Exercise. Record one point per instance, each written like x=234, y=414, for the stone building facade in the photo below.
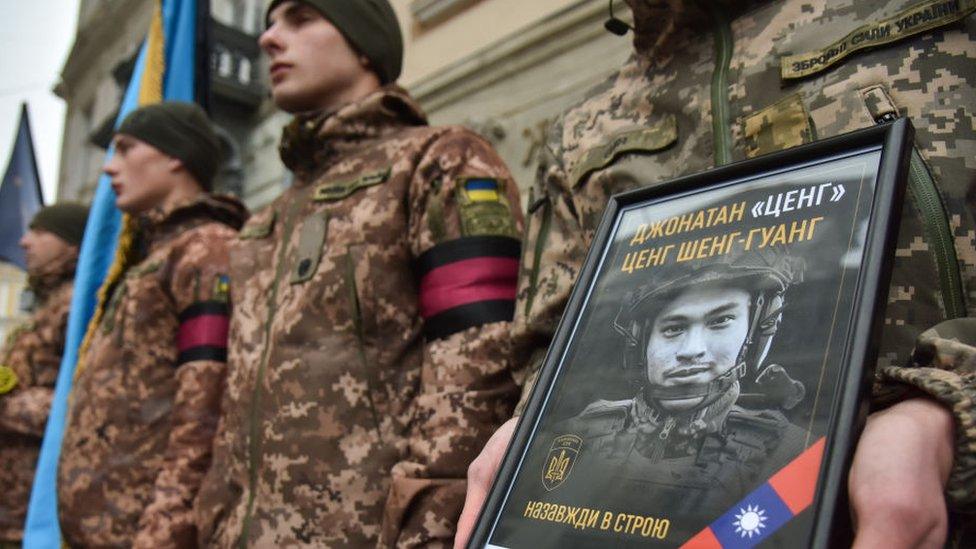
x=100, y=65
x=502, y=67
x=12, y=283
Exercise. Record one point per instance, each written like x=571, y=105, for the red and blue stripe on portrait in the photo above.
x=766, y=509
x=468, y=282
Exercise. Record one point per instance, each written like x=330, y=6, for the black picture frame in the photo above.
x=847, y=410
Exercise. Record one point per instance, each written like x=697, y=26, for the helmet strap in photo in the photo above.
x=767, y=309
x=709, y=392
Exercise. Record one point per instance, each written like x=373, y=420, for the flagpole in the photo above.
x=202, y=92
x=25, y=114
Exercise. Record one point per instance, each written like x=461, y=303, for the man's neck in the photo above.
x=182, y=194
x=355, y=92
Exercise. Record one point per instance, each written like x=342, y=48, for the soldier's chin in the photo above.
x=33, y=267
x=122, y=203
x=292, y=99
x=131, y=205
x=681, y=405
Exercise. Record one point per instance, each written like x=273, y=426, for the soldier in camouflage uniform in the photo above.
x=147, y=388
x=373, y=300
x=714, y=82
x=691, y=336
x=31, y=356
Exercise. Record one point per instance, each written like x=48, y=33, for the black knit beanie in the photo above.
x=180, y=130
x=370, y=26
x=66, y=220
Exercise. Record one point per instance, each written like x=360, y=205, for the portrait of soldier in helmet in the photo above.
x=693, y=337
x=704, y=367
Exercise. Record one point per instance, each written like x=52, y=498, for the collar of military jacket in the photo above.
x=708, y=420
x=312, y=141
x=159, y=225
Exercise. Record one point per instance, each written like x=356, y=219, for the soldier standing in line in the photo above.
x=370, y=338
x=712, y=82
x=31, y=357
x=145, y=400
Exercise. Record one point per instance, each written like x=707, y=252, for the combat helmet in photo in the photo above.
x=765, y=274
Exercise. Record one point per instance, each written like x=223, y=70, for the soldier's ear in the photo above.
x=174, y=164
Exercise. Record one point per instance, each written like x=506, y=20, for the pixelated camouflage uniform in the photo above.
x=370, y=336
x=33, y=351
x=654, y=120
x=144, y=406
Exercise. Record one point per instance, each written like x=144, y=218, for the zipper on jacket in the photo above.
x=357, y=317
x=540, y=244
x=721, y=126
x=935, y=222
x=254, y=439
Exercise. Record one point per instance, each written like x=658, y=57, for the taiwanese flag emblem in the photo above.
x=467, y=282
x=753, y=519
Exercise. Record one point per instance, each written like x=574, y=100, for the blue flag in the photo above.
x=179, y=22
x=20, y=193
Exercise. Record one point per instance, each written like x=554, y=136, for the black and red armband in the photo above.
x=203, y=332
x=468, y=282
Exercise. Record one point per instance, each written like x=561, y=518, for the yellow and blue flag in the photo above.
x=482, y=190
x=167, y=67
x=20, y=193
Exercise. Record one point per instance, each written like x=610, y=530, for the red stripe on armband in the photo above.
x=203, y=331
x=468, y=281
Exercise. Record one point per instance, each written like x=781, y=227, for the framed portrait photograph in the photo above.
x=711, y=373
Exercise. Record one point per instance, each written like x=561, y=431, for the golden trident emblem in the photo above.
x=557, y=467
x=559, y=463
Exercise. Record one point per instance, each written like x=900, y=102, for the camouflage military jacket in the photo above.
x=33, y=353
x=370, y=336
x=769, y=75
x=145, y=400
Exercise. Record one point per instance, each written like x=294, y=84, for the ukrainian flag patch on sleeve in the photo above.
x=484, y=209
x=221, y=289
x=482, y=190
